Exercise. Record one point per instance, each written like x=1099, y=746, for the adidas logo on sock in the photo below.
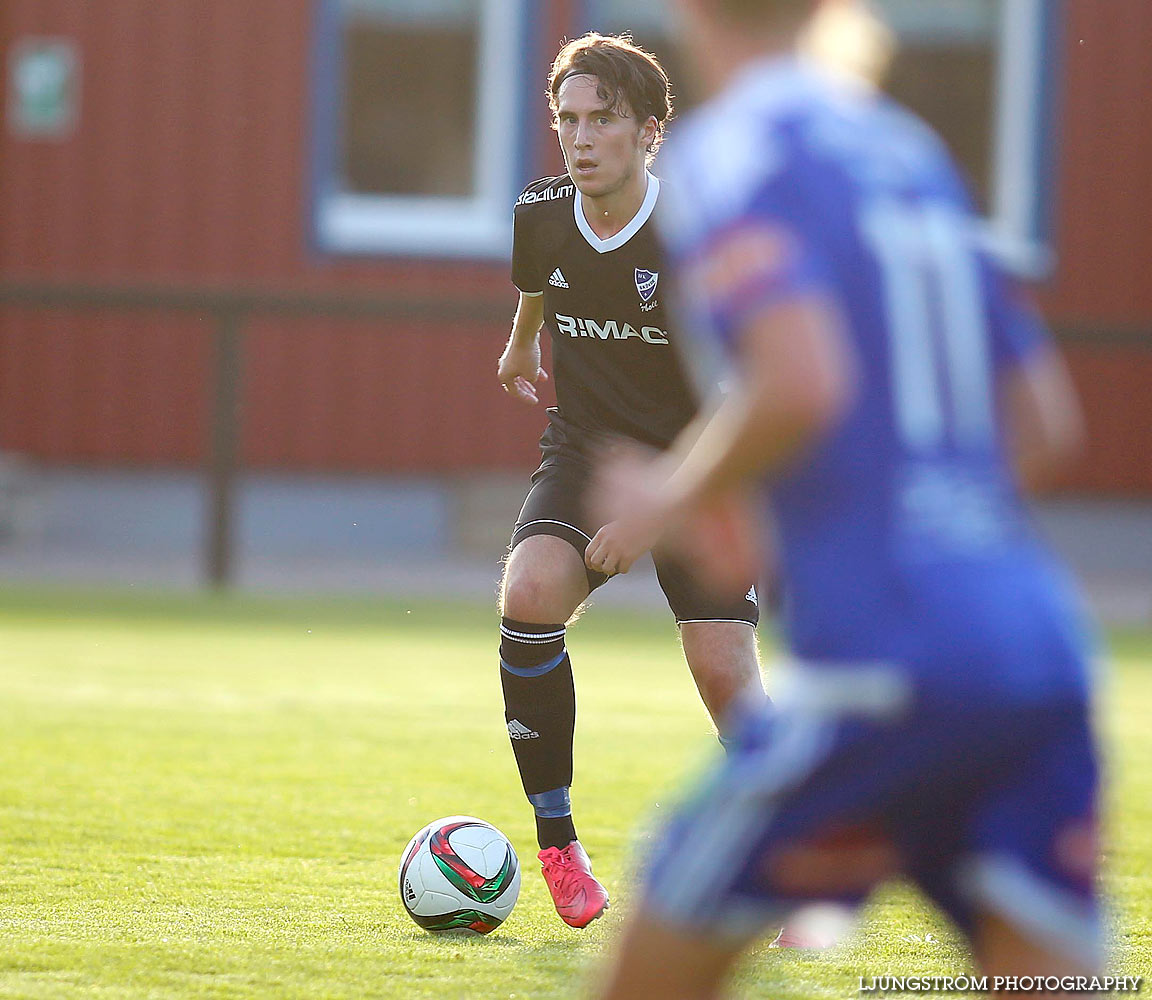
x=518, y=731
x=557, y=279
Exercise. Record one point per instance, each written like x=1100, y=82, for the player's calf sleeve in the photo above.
x=540, y=709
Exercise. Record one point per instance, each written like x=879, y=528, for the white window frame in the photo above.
x=1024, y=144
x=477, y=225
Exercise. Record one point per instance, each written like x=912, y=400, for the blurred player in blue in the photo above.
x=892, y=392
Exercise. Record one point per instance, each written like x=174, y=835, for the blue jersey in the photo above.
x=902, y=537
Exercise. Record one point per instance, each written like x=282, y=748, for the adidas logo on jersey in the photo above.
x=557, y=279
x=518, y=731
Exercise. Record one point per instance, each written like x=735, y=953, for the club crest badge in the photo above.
x=646, y=283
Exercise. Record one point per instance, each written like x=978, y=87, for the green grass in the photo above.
x=207, y=798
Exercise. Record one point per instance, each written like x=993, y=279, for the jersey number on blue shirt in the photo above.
x=937, y=327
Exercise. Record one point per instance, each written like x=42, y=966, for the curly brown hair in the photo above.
x=630, y=79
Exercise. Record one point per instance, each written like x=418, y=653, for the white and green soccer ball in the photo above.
x=459, y=874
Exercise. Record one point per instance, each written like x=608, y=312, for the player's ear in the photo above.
x=648, y=131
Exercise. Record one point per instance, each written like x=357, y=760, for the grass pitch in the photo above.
x=208, y=797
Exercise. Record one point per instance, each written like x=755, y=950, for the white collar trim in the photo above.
x=630, y=230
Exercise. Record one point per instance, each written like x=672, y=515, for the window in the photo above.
x=981, y=71
x=417, y=125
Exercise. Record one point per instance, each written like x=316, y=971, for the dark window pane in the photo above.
x=410, y=101
x=945, y=71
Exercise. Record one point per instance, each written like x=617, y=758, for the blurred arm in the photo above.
x=795, y=380
x=1045, y=424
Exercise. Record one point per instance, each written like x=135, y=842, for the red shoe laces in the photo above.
x=563, y=870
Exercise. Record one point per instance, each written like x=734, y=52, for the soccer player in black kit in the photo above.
x=587, y=264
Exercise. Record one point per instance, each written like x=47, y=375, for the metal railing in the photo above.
x=231, y=308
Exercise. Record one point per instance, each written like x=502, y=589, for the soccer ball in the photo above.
x=459, y=873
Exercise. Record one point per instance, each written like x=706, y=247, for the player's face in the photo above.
x=604, y=148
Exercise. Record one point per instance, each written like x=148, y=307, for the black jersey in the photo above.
x=614, y=360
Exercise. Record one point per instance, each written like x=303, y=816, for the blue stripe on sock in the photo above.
x=552, y=805
x=535, y=671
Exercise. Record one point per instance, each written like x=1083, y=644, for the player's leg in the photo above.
x=1022, y=882
x=1003, y=952
x=544, y=583
x=1033, y=875
x=718, y=633
x=724, y=662
x=752, y=843
x=654, y=959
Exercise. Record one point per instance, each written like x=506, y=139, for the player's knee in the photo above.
x=544, y=581
x=531, y=594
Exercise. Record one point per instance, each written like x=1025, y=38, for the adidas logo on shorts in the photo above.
x=751, y=596
x=557, y=279
x=518, y=731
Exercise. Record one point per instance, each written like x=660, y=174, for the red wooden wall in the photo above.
x=1103, y=281
x=189, y=166
x=1104, y=217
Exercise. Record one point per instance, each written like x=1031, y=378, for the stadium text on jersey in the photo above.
x=548, y=194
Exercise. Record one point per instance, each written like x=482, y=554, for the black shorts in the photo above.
x=555, y=506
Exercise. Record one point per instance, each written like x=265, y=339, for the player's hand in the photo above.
x=519, y=370
x=721, y=541
x=619, y=544
x=626, y=495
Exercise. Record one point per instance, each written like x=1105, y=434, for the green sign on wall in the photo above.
x=43, y=87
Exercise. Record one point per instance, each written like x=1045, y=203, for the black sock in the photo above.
x=558, y=832
x=540, y=710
